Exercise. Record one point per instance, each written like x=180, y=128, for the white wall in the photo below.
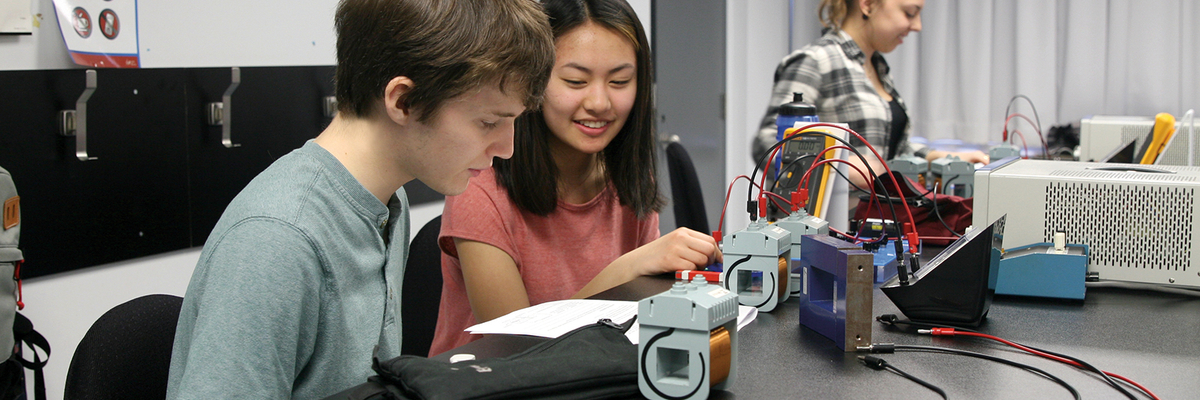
x=43, y=49
x=642, y=9
x=212, y=35
x=757, y=39
x=63, y=306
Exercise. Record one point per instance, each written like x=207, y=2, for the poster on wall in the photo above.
x=100, y=33
x=15, y=17
x=197, y=34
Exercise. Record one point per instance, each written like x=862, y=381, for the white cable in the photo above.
x=1144, y=286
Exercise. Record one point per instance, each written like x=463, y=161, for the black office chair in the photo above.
x=686, y=198
x=126, y=354
x=422, y=292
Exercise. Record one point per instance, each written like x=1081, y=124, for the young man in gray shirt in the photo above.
x=298, y=284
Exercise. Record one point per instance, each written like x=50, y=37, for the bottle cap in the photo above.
x=797, y=107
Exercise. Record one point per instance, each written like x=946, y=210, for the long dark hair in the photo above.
x=530, y=176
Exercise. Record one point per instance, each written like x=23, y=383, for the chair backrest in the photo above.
x=686, y=199
x=422, y=292
x=126, y=354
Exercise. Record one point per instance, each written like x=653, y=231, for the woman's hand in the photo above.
x=682, y=249
x=968, y=156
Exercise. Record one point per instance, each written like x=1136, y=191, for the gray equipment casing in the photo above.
x=800, y=224
x=757, y=249
x=674, y=348
x=955, y=175
x=1138, y=221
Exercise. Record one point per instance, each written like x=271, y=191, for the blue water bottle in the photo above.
x=790, y=113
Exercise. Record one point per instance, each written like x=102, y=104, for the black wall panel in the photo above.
x=275, y=110
x=162, y=177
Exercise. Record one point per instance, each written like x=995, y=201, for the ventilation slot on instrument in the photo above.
x=1124, y=225
x=1133, y=178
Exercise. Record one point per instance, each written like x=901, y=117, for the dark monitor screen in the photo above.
x=1123, y=154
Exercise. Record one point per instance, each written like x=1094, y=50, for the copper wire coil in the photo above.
x=784, y=276
x=721, y=355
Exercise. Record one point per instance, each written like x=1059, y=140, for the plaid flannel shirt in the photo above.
x=830, y=74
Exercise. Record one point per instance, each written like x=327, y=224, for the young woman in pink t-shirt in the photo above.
x=574, y=212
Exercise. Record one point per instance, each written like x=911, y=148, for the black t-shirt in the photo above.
x=896, y=131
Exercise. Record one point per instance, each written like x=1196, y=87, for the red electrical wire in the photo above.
x=857, y=240
x=913, y=236
x=1024, y=146
x=804, y=178
x=1036, y=128
x=868, y=179
x=721, y=224
x=776, y=198
x=763, y=184
x=952, y=332
x=724, y=207
x=807, y=174
x=811, y=168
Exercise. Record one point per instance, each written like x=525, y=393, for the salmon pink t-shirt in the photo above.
x=557, y=254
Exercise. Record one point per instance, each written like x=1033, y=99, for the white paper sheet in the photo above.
x=15, y=16
x=552, y=319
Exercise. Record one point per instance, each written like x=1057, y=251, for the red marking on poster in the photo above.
x=110, y=25
x=105, y=60
x=82, y=22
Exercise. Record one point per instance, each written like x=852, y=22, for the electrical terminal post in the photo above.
x=878, y=348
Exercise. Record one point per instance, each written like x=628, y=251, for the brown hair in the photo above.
x=531, y=177
x=447, y=48
x=833, y=12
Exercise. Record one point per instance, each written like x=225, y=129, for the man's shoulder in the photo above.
x=295, y=192
x=279, y=187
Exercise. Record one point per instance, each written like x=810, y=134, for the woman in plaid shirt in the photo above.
x=833, y=73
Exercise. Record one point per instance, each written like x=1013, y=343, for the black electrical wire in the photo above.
x=1031, y=106
x=938, y=214
x=1093, y=369
x=789, y=165
x=1045, y=147
x=878, y=205
x=762, y=161
x=890, y=319
x=1027, y=367
x=766, y=156
x=879, y=364
x=1066, y=152
x=856, y=187
x=775, y=200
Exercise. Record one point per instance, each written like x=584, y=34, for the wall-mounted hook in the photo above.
x=330, y=106
x=74, y=122
x=221, y=113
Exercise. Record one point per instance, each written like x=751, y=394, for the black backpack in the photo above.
x=15, y=329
